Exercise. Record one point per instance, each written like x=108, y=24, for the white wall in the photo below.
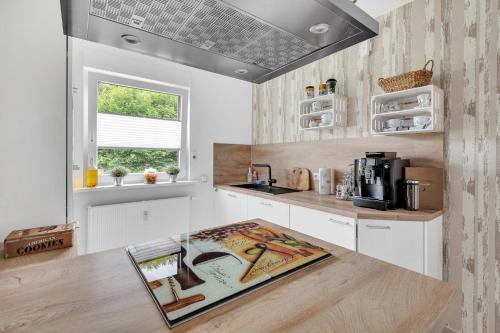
x=376, y=8
x=32, y=115
x=220, y=111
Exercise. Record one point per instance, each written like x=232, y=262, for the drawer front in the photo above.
x=335, y=229
x=269, y=210
x=397, y=242
x=230, y=207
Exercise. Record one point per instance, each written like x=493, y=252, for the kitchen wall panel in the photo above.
x=462, y=36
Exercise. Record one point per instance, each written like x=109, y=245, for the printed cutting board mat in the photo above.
x=193, y=273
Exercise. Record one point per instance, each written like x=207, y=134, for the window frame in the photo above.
x=93, y=80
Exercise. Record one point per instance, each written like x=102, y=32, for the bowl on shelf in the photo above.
x=394, y=123
x=421, y=120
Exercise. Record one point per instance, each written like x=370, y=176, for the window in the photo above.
x=136, y=124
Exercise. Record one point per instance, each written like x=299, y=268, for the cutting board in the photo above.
x=300, y=179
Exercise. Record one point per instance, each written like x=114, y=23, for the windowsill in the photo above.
x=137, y=186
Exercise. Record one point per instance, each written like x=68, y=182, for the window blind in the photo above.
x=115, y=131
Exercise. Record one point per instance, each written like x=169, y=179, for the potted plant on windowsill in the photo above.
x=118, y=173
x=172, y=171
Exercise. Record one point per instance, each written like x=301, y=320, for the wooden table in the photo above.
x=102, y=292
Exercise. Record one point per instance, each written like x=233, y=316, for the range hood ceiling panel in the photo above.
x=223, y=36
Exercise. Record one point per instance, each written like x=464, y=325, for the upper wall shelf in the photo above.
x=402, y=107
x=326, y=111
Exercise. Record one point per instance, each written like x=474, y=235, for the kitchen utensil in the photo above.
x=412, y=194
x=316, y=106
x=300, y=179
x=424, y=100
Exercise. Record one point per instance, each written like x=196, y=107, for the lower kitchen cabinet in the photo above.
x=269, y=210
x=230, y=207
x=410, y=244
x=335, y=229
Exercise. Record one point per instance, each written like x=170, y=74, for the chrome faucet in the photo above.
x=270, y=181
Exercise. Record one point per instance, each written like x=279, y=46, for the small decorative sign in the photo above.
x=36, y=240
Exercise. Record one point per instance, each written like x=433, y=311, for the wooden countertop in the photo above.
x=329, y=204
x=102, y=292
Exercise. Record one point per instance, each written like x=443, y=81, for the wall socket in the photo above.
x=316, y=176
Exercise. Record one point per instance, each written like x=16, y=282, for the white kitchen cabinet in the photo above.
x=230, y=207
x=410, y=244
x=397, y=242
x=269, y=210
x=335, y=229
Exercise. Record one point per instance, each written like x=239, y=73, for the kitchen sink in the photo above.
x=266, y=188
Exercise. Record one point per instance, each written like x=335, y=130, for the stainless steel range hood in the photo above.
x=252, y=40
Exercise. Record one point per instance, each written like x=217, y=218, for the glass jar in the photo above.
x=310, y=92
x=322, y=89
x=331, y=84
x=150, y=176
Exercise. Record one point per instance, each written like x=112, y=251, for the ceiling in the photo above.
x=376, y=8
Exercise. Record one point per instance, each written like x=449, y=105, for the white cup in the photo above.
x=326, y=118
x=424, y=100
x=395, y=123
x=421, y=120
x=316, y=106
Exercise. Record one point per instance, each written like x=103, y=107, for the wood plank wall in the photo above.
x=462, y=36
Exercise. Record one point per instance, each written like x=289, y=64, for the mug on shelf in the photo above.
x=326, y=119
x=424, y=100
x=395, y=123
x=316, y=106
x=421, y=120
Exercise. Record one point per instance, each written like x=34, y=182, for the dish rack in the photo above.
x=332, y=104
x=407, y=107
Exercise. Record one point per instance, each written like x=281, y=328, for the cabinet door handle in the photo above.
x=380, y=227
x=266, y=204
x=338, y=222
x=231, y=195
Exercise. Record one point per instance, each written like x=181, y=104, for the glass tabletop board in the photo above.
x=192, y=273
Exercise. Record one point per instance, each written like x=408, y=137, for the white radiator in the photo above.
x=119, y=225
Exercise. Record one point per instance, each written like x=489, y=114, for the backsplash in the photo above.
x=423, y=151
x=462, y=37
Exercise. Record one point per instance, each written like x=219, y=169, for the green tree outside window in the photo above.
x=134, y=102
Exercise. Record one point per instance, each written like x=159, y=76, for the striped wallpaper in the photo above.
x=463, y=38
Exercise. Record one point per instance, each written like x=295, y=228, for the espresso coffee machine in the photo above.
x=379, y=181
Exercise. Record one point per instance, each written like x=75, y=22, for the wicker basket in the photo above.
x=409, y=80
